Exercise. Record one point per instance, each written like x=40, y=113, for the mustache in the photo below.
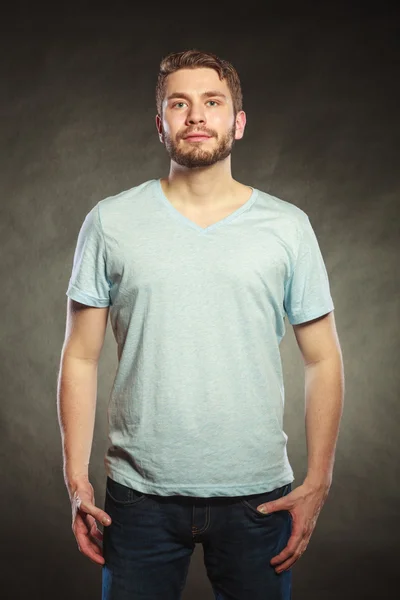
x=197, y=131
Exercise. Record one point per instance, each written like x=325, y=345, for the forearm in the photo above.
x=76, y=403
x=324, y=399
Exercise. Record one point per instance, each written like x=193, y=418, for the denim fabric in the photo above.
x=148, y=546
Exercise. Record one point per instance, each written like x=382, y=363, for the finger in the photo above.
x=83, y=522
x=88, y=545
x=95, y=532
x=292, y=545
x=97, y=513
x=81, y=531
x=91, y=550
x=87, y=518
x=288, y=564
x=96, y=535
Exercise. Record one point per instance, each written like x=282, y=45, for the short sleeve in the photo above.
x=307, y=291
x=88, y=283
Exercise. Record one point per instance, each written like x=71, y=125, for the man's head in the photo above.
x=197, y=92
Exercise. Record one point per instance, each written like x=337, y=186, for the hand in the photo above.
x=304, y=504
x=84, y=515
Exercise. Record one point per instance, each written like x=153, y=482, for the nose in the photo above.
x=195, y=115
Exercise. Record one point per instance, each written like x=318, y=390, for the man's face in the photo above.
x=196, y=101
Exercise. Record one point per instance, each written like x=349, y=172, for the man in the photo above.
x=198, y=272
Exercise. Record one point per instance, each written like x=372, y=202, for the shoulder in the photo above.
x=126, y=196
x=119, y=206
x=288, y=220
x=283, y=207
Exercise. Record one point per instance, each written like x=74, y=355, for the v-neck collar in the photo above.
x=185, y=220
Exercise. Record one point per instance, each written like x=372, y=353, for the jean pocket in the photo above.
x=123, y=495
x=253, y=500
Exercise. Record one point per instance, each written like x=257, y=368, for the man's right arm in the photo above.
x=77, y=388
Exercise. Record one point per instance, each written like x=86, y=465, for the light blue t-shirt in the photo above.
x=197, y=403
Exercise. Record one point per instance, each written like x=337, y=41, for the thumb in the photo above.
x=273, y=506
x=85, y=505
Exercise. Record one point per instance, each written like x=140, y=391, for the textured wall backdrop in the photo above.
x=321, y=94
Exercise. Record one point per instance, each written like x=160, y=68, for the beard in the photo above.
x=197, y=156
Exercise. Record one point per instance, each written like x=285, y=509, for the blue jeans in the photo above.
x=148, y=546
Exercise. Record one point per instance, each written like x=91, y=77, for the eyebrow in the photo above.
x=209, y=94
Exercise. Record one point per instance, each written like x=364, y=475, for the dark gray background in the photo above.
x=321, y=94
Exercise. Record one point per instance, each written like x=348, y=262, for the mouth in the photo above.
x=197, y=138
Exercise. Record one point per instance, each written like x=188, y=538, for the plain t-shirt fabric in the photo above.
x=197, y=403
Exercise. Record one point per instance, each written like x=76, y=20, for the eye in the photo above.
x=215, y=103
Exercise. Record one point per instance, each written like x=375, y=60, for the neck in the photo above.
x=203, y=187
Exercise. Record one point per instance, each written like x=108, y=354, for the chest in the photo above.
x=186, y=266
x=206, y=218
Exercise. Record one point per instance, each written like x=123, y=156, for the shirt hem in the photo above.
x=192, y=489
x=311, y=315
x=84, y=298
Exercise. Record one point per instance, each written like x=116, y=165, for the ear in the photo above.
x=240, y=124
x=159, y=128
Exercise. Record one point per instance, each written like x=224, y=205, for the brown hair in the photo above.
x=195, y=59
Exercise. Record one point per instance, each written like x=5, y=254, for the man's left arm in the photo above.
x=324, y=395
x=324, y=399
